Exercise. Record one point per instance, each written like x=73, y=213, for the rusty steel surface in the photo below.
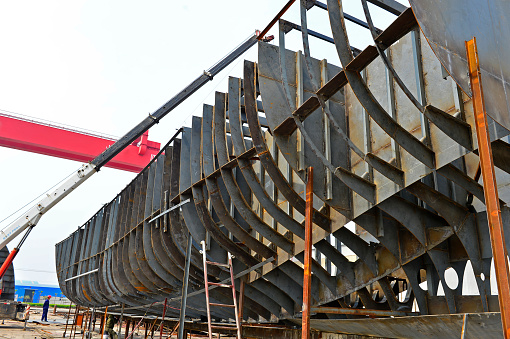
x=397, y=211
x=485, y=325
x=490, y=187
x=307, y=276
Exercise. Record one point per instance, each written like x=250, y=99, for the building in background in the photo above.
x=33, y=292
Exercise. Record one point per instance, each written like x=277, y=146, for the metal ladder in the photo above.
x=211, y=327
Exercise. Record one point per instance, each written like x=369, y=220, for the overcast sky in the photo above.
x=105, y=65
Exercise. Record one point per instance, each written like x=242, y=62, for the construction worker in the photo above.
x=109, y=327
x=45, y=308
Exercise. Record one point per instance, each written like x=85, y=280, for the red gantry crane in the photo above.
x=45, y=138
x=28, y=134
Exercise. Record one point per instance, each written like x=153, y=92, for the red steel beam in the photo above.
x=73, y=145
x=275, y=19
x=307, y=279
x=490, y=188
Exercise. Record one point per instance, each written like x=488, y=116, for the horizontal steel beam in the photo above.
x=82, y=275
x=362, y=311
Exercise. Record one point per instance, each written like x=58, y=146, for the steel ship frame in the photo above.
x=391, y=138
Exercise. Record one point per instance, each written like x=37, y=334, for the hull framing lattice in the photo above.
x=392, y=142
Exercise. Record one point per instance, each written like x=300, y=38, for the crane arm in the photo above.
x=32, y=216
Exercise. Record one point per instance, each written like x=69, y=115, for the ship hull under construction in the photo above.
x=392, y=141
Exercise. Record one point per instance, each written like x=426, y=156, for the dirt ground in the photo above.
x=56, y=326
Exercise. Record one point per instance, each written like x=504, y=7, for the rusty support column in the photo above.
x=464, y=323
x=490, y=188
x=120, y=320
x=91, y=322
x=185, y=281
x=101, y=324
x=162, y=320
x=75, y=322
x=146, y=329
x=67, y=321
x=128, y=322
x=241, y=300
x=103, y=321
x=94, y=320
x=307, y=278
x=86, y=317
x=87, y=329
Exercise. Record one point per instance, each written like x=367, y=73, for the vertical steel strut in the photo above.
x=185, y=281
x=163, y=319
x=307, y=279
x=490, y=188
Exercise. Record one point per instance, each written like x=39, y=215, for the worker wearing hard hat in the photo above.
x=45, y=308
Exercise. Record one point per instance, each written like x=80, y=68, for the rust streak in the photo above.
x=490, y=188
x=307, y=279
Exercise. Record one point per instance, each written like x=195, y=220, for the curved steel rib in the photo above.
x=228, y=180
x=411, y=225
x=405, y=139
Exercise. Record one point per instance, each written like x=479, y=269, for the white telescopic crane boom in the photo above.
x=32, y=216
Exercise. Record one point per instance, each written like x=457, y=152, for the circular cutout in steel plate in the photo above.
x=447, y=24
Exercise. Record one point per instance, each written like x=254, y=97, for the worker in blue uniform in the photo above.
x=45, y=308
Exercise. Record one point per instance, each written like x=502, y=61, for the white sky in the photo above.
x=103, y=66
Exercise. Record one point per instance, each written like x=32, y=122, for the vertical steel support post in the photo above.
x=206, y=283
x=93, y=319
x=67, y=321
x=464, y=324
x=101, y=323
x=104, y=322
x=73, y=327
x=238, y=336
x=128, y=322
x=490, y=187
x=185, y=280
x=120, y=320
x=300, y=99
x=162, y=319
x=94, y=323
x=241, y=301
x=307, y=278
x=85, y=316
x=327, y=132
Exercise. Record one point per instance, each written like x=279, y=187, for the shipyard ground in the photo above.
x=56, y=326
